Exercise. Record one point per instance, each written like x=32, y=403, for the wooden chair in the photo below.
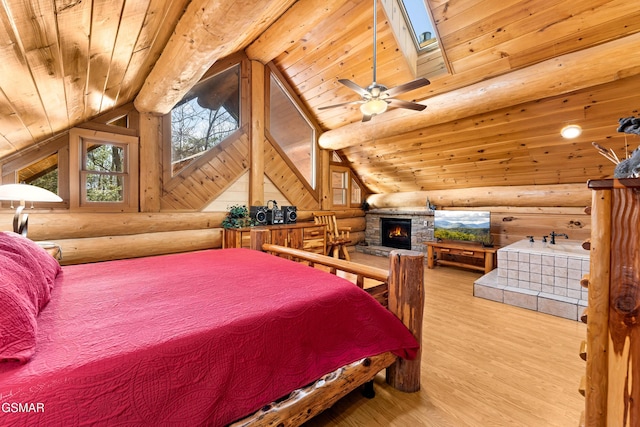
x=337, y=238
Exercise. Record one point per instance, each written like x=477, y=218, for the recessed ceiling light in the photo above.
x=571, y=131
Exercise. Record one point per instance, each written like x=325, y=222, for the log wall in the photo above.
x=516, y=211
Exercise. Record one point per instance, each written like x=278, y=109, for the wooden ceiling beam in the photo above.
x=208, y=30
x=556, y=76
x=301, y=18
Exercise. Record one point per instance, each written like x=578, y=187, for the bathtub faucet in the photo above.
x=554, y=235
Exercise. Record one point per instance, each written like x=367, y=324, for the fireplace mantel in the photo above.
x=421, y=229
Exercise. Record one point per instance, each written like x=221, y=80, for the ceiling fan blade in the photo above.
x=406, y=104
x=351, y=85
x=339, y=105
x=366, y=117
x=406, y=87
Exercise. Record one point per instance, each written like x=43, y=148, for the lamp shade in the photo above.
x=27, y=193
x=373, y=107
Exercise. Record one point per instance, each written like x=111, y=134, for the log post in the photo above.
x=406, y=301
x=259, y=236
x=598, y=319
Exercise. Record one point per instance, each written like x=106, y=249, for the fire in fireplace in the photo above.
x=396, y=233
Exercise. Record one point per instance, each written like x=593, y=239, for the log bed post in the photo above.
x=406, y=301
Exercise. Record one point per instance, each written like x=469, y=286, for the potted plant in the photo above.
x=237, y=217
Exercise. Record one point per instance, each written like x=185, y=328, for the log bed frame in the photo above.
x=400, y=290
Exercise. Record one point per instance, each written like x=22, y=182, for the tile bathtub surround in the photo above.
x=546, y=283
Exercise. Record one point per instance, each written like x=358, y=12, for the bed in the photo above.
x=201, y=338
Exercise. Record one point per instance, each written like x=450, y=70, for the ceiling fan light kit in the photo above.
x=376, y=98
x=373, y=107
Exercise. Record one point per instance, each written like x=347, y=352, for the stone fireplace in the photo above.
x=416, y=228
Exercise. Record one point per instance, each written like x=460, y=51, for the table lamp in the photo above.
x=25, y=193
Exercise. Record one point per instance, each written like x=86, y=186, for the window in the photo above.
x=292, y=131
x=43, y=173
x=346, y=189
x=339, y=186
x=356, y=193
x=104, y=173
x=208, y=114
x=418, y=19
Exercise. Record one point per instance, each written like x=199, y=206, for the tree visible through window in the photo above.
x=43, y=173
x=206, y=116
x=105, y=170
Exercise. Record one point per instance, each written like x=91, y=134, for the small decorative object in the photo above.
x=628, y=167
x=238, y=217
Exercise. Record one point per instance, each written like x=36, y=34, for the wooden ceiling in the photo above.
x=518, y=71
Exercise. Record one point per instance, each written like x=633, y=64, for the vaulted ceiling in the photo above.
x=511, y=75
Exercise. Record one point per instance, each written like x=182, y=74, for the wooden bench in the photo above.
x=466, y=255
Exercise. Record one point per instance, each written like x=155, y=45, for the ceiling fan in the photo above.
x=376, y=97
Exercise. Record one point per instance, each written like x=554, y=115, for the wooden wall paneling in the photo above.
x=215, y=170
x=270, y=43
x=39, y=45
x=283, y=176
x=133, y=16
x=159, y=23
x=507, y=227
x=21, y=93
x=106, y=16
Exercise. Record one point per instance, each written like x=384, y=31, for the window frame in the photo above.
x=271, y=71
x=78, y=141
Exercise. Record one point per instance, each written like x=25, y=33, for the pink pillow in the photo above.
x=27, y=275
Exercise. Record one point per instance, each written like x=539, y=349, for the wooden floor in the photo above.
x=483, y=364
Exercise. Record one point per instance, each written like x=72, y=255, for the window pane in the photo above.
x=292, y=132
x=339, y=196
x=206, y=116
x=43, y=173
x=104, y=188
x=339, y=187
x=104, y=157
x=356, y=193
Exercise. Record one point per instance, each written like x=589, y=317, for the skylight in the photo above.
x=417, y=17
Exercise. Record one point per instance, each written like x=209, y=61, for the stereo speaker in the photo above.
x=258, y=214
x=290, y=214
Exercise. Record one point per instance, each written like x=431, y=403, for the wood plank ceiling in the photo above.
x=519, y=70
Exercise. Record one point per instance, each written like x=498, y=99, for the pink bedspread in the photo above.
x=189, y=339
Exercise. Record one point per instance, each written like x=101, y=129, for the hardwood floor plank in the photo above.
x=484, y=364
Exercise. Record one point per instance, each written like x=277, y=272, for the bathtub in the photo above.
x=562, y=246
x=539, y=276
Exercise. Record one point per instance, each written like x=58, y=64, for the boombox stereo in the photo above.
x=275, y=216
x=290, y=214
x=258, y=214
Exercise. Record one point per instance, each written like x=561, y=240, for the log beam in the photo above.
x=566, y=195
x=55, y=226
x=79, y=251
x=577, y=70
x=208, y=30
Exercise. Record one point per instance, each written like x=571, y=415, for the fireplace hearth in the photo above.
x=396, y=233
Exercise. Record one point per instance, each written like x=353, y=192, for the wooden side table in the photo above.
x=475, y=257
